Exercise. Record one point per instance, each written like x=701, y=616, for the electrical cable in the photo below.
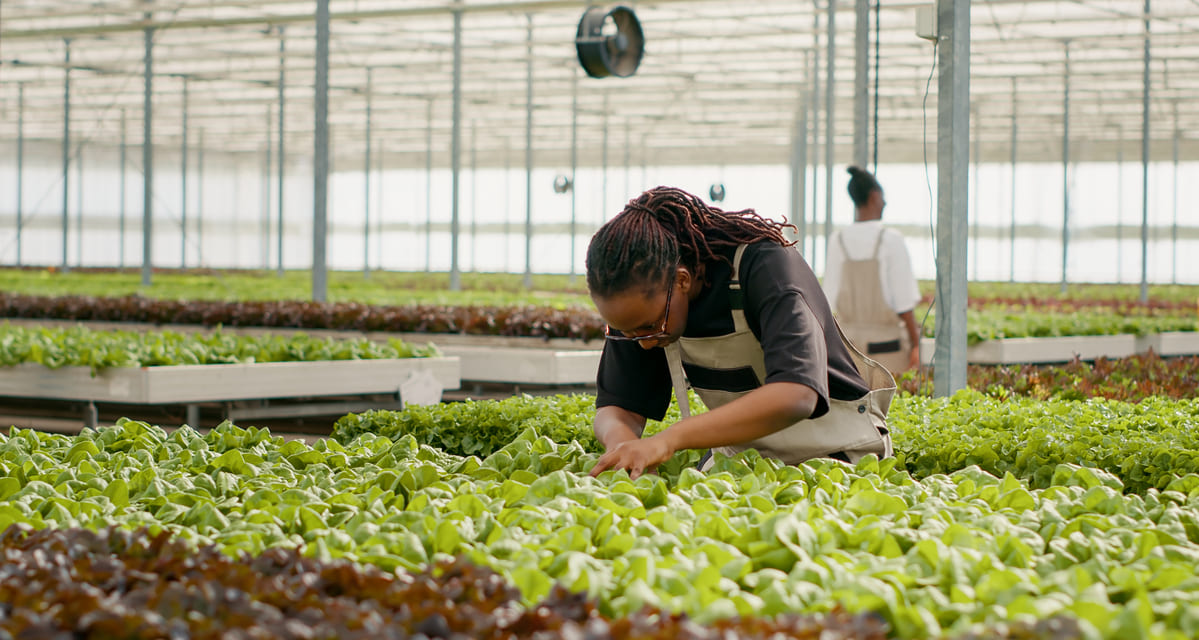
x=923, y=372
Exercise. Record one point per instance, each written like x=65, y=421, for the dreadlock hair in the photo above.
x=861, y=185
x=662, y=229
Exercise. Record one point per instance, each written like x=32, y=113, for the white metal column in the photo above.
x=953, y=159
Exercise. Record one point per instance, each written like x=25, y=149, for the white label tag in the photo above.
x=421, y=388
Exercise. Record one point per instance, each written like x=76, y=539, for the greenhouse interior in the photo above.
x=437, y=318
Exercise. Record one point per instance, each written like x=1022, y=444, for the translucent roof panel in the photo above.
x=722, y=82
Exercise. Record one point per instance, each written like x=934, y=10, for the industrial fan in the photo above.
x=610, y=42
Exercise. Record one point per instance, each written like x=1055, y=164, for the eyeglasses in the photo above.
x=657, y=335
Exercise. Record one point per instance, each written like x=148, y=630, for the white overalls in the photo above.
x=853, y=428
x=868, y=320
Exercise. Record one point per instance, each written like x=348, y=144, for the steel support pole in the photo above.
x=474, y=200
x=627, y=165
x=574, y=168
x=66, y=150
x=815, y=147
x=976, y=166
x=861, y=93
x=528, y=279
x=456, y=151
x=1012, y=196
x=604, y=166
x=123, y=150
x=1120, y=206
x=280, y=152
x=183, y=185
x=320, y=155
x=878, y=18
x=799, y=165
x=266, y=196
x=1174, y=226
x=366, y=186
x=1066, y=168
x=379, y=204
x=830, y=130
x=1145, y=164
x=21, y=163
x=953, y=153
x=200, y=198
x=148, y=159
x=429, y=189
x=79, y=208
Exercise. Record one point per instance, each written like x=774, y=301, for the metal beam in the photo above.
x=574, y=168
x=429, y=187
x=456, y=151
x=148, y=159
x=1145, y=163
x=320, y=155
x=280, y=152
x=122, y=207
x=366, y=185
x=528, y=279
x=1012, y=196
x=21, y=165
x=861, y=103
x=183, y=185
x=830, y=129
x=66, y=149
x=1065, y=166
x=953, y=149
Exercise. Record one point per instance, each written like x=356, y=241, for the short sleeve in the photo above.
x=777, y=283
x=633, y=379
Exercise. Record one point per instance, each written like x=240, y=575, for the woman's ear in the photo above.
x=685, y=279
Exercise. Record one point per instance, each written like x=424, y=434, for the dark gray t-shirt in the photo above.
x=786, y=310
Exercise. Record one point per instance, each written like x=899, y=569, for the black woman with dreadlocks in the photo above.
x=721, y=300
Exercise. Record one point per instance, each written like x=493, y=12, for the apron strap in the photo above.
x=736, y=295
x=674, y=361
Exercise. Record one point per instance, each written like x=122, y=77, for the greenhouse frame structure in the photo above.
x=1019, y=81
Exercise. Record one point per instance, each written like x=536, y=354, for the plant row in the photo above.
x=399, y=287
x=536, y=321
x=943, y=555
x=381, y=287
x=121, y=584
x=1148, y=445
x=1129, y=379
x=99, y=350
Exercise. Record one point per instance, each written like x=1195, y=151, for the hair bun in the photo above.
x=855, y=171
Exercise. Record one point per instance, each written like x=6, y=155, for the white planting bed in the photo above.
x=225, y=383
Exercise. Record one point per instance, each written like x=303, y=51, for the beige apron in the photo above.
x=853, y=428
x=869, y=322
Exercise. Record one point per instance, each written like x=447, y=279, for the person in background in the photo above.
x=722, y=300
x=869, y=280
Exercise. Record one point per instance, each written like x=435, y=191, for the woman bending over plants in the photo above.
x=721, y=300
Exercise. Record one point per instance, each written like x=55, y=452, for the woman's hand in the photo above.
x=635, y=456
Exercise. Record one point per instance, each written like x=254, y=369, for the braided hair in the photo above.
x=662, y=229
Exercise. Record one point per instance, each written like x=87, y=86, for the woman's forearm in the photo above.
x=759, y=413
x=614, y=425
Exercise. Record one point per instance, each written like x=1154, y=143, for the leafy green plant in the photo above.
x=99, y=350
x=1130, y=379
x=944, y=555
x=1148, y=445
x=115, y=583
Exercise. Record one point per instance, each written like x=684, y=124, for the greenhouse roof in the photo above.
x=721, y=82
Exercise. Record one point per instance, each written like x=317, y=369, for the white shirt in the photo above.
x=894, y=265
